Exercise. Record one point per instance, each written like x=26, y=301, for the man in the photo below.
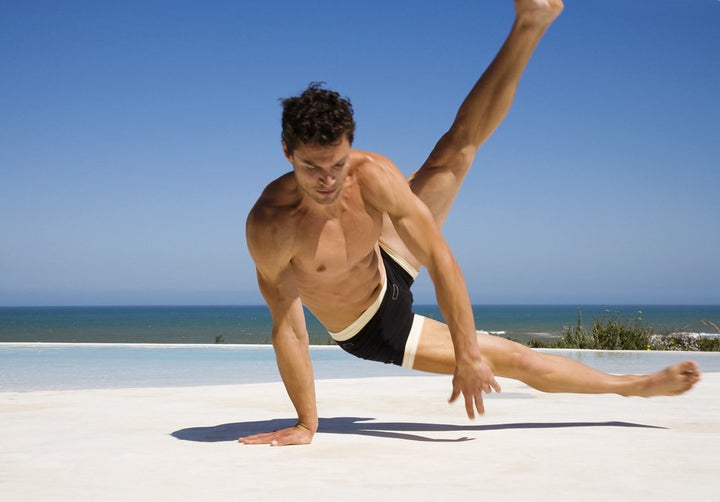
x=344, y=233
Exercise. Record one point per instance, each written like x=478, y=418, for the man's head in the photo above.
x=317, y=117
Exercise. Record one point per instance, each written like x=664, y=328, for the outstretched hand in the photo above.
x=472, y=379
x=299, y=434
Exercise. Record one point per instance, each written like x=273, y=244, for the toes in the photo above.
x=689, y=367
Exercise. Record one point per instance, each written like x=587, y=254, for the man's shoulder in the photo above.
x=363, y=159
x=274, y=206
x=372, y=169
x=376, y=174
x=277, y=195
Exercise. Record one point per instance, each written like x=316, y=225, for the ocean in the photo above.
x=252, y=324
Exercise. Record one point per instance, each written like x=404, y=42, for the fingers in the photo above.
x=284, y=437
x=470, y=405
x=455, y=394
x=472, y=401
x=264, y=438
x=479, y=404
x=469, y=400
x=491, y=385
x=471, y=384
x=496, y=385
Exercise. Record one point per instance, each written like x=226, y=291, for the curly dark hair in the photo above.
x=318, y=116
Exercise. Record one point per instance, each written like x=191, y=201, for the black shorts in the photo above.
x=384, y=337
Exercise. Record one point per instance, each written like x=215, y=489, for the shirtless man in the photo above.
x=344, y=233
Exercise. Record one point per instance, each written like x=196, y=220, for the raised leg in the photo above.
x=438, y=180
x=547, y=372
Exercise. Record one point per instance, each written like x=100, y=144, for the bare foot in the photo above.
x=671, y=381
x=538, y=11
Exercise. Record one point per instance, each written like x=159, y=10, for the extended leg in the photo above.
x=438, y=180
x=547, y=372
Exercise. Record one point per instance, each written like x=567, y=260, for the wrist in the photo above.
x=468, y=355
x=309, y=425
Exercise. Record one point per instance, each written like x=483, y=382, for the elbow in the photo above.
x=282, y=336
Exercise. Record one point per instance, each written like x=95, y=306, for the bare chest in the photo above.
x=332, y=247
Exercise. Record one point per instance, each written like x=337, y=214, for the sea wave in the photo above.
x=694, y=335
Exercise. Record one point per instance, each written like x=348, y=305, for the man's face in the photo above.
x=321, y=170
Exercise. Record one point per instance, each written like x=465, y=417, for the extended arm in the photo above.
x=386, y=189
x=289, y=338
x=472, y=376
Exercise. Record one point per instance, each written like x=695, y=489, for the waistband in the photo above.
x=401, y=261
x=359, y=323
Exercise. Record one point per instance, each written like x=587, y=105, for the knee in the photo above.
x=453, y=153
x=507, y=358
x=521, y=359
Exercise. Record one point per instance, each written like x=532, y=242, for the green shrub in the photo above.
x=535, y=343
x=608, y=333
x=709, y=344
x=576, y=337
x=615, y=334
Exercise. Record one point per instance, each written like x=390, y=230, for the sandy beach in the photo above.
x=379, y=437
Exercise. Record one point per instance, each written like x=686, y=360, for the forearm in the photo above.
x=293, y=360
x=455, y=306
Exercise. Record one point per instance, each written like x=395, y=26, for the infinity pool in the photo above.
x=27, y=367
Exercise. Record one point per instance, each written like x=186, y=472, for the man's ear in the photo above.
x=286, y=152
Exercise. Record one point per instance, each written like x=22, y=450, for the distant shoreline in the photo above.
x=252, y=324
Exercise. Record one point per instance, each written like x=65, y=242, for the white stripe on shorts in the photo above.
x=412, y=341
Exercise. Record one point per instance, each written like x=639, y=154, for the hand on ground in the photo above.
x=298, y=434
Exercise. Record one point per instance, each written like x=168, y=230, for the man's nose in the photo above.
x=327, y=180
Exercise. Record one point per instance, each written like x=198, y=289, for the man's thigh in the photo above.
x=436, y=354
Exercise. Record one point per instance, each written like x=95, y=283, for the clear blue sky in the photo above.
x=135, y=136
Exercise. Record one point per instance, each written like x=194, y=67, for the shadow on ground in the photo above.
x=412, y=431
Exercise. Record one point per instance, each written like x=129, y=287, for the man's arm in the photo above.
x=472, y=376
x=386, y=189
x=289, y=335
